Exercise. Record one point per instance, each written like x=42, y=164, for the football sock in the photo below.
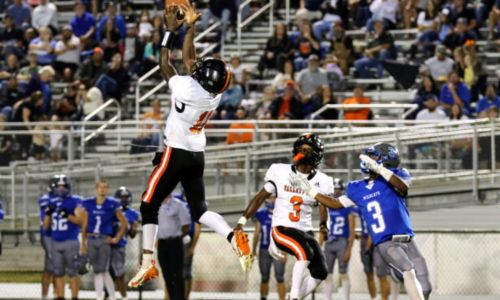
x=329, y=286
x=146, y=260
x=309, y=285
x=148, y=241
x=346, y=287
x=216, y=222
x=99, y=285
x=110, y=285
x=299, y=269
x=413, y=287
x=394, y=290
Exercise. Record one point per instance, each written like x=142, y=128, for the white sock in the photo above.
x=346, y=287
x=299, y=269
x=99, y=285
x=110, y=286
x=394, y=290
x=149, y=236
x=413, y=287
x=146, y=260
x=310, y=284
x=216, y=222
x=329, y=286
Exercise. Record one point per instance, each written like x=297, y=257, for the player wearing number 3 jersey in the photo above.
x=194, y=98
x=292, y=216
x=381, y=199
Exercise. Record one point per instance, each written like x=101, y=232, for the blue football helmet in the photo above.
x=124, y=195
x=382, y=153
x=60, y=185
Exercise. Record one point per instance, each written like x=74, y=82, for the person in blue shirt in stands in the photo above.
x=111, y=12
x=101, y=211
x=64, y=216
x=263, y=219
x=490, y=99
x=83, y=24
x=117, y=263
x=381, y=199
x=455, y=92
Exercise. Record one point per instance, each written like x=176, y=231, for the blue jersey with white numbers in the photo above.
x=383, y=209
x=265, y=217
x=132, y=216
x=101, y=216
x=62, y=229
x=339, y=223
x=43, y=203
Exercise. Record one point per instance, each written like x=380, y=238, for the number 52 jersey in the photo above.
x=293, y=208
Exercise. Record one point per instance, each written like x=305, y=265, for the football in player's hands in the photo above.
x=369, y=163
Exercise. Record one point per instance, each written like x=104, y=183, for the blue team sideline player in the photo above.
x=124, y=195
x=339, y=243
x=381, y=199
x=263, y=220
x=64, y=216
x=101, y=211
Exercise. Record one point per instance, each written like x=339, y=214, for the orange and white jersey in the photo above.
x=191, y=108
x=293, y=208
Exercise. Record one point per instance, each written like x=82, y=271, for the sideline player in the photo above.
x=64, y=216
x=338, y=244
x=262, y=235
x=118, y=251
x=381, y=199
x=194, y=99
x=292, y=215
x=101, y=210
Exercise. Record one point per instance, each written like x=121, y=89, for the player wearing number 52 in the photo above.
x=292, y=215
x=63, y=218
x=101, y=213
x=381, y=199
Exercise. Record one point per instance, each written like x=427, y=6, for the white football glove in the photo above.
x=375, y=167
x=302, y=183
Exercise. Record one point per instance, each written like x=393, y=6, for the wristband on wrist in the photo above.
x=385, y=173
x=168, y=40
x=322, y=224
x=242, y=221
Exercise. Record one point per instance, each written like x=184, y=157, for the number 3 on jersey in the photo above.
x=374, y=208
x=295, y=214
x=202, y=121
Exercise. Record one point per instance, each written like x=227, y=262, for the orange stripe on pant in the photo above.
x=289, y=243
x=157, y=174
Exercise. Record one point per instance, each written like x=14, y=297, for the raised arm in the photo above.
x=188, y=50
x=172, y=24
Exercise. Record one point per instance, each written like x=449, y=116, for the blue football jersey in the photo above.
x=101, y=216
x=62, y=229
x=339, y=223
x=265, y=217
x=382, y=208
x=132, y=216
x=43, y=203
x=364, y=228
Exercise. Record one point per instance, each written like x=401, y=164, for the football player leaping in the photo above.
x=194, y=99
x=381, y=201
x=292, y=215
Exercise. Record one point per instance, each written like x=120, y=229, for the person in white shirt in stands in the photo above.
x=432, y=111
x=45, y=15
x=67, y=51
x=385, y=10
x=440, y=65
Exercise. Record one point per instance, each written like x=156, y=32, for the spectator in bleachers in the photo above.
x=67, y=51
x=278, y=50
x=92, y=99
x=115, y=81
x=44, y=46
x=26, y=72
x=41, y=82
x=83, y=24
x=20, y=12
x=428, y=25
x=67, y=108
x=470, y=68
x=157, y=23
x=427, y=90
x=223, y=10
x=440, y=65
x=385, y=11
x=28, y=36
x=489, y=100
x=93, y=67
x=494, y=22
x=327, y=97
x=25, y=111
x=432, y=111
x=240, y=137
x=145, y=25
x=309, y=10
x=11, y=68
x=455, y=92
x=288, y=105
x=9, y=94
x=378, y=50
x=312, y=103
x=230, y=100
x=460, y=10
x=459, y=36
x=312, y=79
x=446, y=25
x=152, y=52
x=9, y=36
x=334, y=12
x=45, y=15
x=358, y=97
x=134, y=52
x=334, y=74
x=238, y=71
x=288, y=73
x=149, y=141
x=305, y=45
x=341, y=46
x=38, y=147
x=6, y=144
x=110, y=39
x=262, y=107
x=56, y=139
x=119, y=22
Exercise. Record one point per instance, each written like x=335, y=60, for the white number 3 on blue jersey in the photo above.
x=378, y=225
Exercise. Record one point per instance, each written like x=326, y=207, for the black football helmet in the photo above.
x=81, y=263
x=124, y=195
x=60, y=185
x=212, y=74
x=315, y=142
x=383, y=153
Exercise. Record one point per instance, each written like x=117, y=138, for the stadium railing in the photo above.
x=240, y=23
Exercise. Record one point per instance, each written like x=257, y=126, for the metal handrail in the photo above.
x=240, y=23
x=411, y=108
x=84, y=139
x=138, y=98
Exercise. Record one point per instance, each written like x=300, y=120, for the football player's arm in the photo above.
x=123, y=227
x=133, y=229
x=352, y=234
x=323, y=228
x=194, y=241
x=46, y=221
x=398, y=183
x=172, y=24
x=252, y=208
x=78, y=217
x=188, y=50
x=256, y=236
